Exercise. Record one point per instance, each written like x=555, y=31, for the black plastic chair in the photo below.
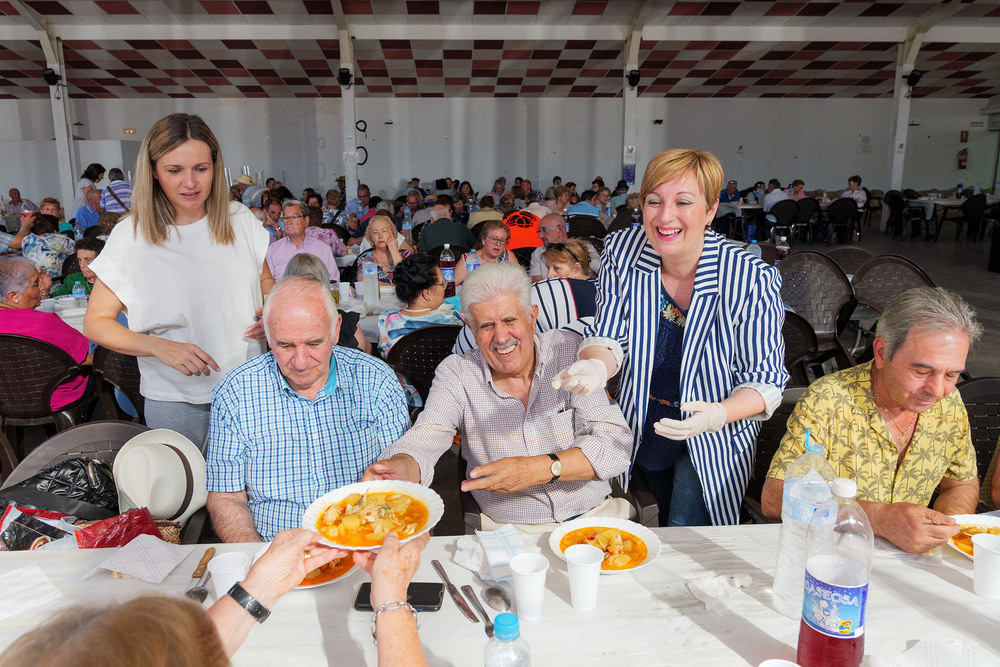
x=418, y=353
x=785, y=213
x=800, y=346
x=114, y=369
x=8, y=459
x=523, y=256
x=771, y=433
x=808, y=217
x=840, y=217
x=70, y=265
x=586, y=226
x=30, y=371
x=972, y=217
x=849, y=258
x=981, y=397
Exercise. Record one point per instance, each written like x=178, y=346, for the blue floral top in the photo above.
x=48, y=251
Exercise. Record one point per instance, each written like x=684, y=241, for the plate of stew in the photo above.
x=972, y=524
x=358, y=516
x=627, y=545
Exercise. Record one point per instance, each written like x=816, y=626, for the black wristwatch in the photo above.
x=248, y=602
x=556, y=468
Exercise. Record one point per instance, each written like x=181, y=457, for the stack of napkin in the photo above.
x=488, y=553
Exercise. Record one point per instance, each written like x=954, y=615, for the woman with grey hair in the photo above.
x=351, y=335
x=20, y=287
x=295, y=216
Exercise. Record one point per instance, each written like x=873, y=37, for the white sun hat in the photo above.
x=161, y=470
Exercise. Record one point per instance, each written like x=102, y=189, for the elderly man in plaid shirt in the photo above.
x=537, y=456
x=297, y=422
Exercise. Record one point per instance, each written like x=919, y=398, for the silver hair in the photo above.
x=302, y=206
x=932, y=309
x=15, y=275
x=297, y=288
x=492, y=281
x=309, y=265
x=439, y=211
x=386, y=205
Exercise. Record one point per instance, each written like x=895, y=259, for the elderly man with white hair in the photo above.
x=297, y=422
x=537, y=456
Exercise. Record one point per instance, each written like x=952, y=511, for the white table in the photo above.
x=646, y=617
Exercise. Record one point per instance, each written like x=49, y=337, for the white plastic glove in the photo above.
x=582, y=377
x=705, y=418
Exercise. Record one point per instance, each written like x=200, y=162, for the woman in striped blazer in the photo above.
x=694, y=325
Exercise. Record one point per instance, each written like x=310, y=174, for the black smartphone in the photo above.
x=423, y=595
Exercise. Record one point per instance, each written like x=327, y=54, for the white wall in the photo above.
x=478, y=139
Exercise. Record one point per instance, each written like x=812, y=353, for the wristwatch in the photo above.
x=248, y=602
x=556, y=468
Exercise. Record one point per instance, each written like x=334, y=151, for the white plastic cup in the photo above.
x=529, y=584
x=48, y=305
x=345, y=292
x=986, y=570
x=584, y=564
x=778, y=662
x=227, y=569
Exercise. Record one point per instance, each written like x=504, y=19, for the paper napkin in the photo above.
x=938, y=652
x=24, y=588
x=146, y=557
x=488, y=553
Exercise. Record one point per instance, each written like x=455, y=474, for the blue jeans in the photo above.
x=679, y=494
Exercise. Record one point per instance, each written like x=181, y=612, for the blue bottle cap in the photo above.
x=506, y=626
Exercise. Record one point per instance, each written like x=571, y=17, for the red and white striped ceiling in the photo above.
x=446, y=48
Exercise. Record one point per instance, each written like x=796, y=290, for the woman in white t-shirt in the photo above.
x=92, y=175
x=189, y=271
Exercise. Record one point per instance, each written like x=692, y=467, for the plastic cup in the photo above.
x=226, y=570
x=986, y=570
x=584, y=564
x=778, y=662
x=345, y=292
x=48, y=305
x=529, y=584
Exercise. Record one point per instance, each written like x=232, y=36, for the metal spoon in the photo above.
x=497, y=598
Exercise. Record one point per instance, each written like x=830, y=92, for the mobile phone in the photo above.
x=422, y=595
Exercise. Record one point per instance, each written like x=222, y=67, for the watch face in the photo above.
x=557, y=468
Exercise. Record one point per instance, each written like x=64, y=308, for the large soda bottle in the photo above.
x=781, y=249
x=507, y=648
x=447, y=264
x=408, y=225
x=369, y=272
x=807, y=486
x=839, y=545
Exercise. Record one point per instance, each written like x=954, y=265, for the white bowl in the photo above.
x=435, y=507
x=653, y=545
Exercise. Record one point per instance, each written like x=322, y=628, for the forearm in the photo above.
x=398, y=641
x=743, y=403
x=232, y=622
x=961, y=499
x=880, y=517
x=576, y=466
x=107, y=332
x=602, y=354
x=231, y=517
x=771, y=497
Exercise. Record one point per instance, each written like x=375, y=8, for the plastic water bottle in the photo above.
x=636, y=218
x=754, y=249
x=976, y=189
x=408, y=225
x=79, y=294
x=447, y=264
x=807, y=486
x=77, y=232
x=506, y=648
x=958, y=190
x=369, y=271
x=781, y=249
x=472, y=261
x=839, y=545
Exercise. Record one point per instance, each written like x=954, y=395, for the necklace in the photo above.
x=902, y=432
x=416, y=310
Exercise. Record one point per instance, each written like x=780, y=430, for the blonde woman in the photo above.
x=493, y=239
x=386, y=249
x=189, y=267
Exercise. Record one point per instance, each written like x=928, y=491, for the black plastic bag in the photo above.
x=82, y=487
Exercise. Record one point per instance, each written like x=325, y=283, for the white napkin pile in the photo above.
x=24, y=588
x=146, y=557
x=937, y=652
x=488, y=553
x=716, y=591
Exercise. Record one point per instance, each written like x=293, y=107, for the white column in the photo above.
x=62, y=124
x=348, y=115
x=630, y=116
x=900, y=123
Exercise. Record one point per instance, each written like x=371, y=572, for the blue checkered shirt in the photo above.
x=286, y=450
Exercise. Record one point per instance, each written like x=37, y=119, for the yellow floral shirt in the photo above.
x=842, y=416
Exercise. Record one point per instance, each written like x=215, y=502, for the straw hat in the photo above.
x=161, y=470
x=245, y=180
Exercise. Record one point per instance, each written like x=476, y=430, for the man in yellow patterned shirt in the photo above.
x=897, y=425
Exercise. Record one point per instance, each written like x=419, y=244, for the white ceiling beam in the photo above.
x=774, y=33
x=987, y=33
x=465, y=32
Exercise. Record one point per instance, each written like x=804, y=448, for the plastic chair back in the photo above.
x=121, y=371
x=882, y=279
x=849, y=258
x=981, y=397
x=417, y=354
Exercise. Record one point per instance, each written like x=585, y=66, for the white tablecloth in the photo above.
x=646, y=617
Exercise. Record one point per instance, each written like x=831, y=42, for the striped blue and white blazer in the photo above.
x=732, y=339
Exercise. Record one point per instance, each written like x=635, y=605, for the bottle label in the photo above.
x=448, y=274
x=835, y=611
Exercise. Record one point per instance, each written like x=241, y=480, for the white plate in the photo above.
x=435, y=506
x=653, y=546
x=302, y=587
x=973, y=520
